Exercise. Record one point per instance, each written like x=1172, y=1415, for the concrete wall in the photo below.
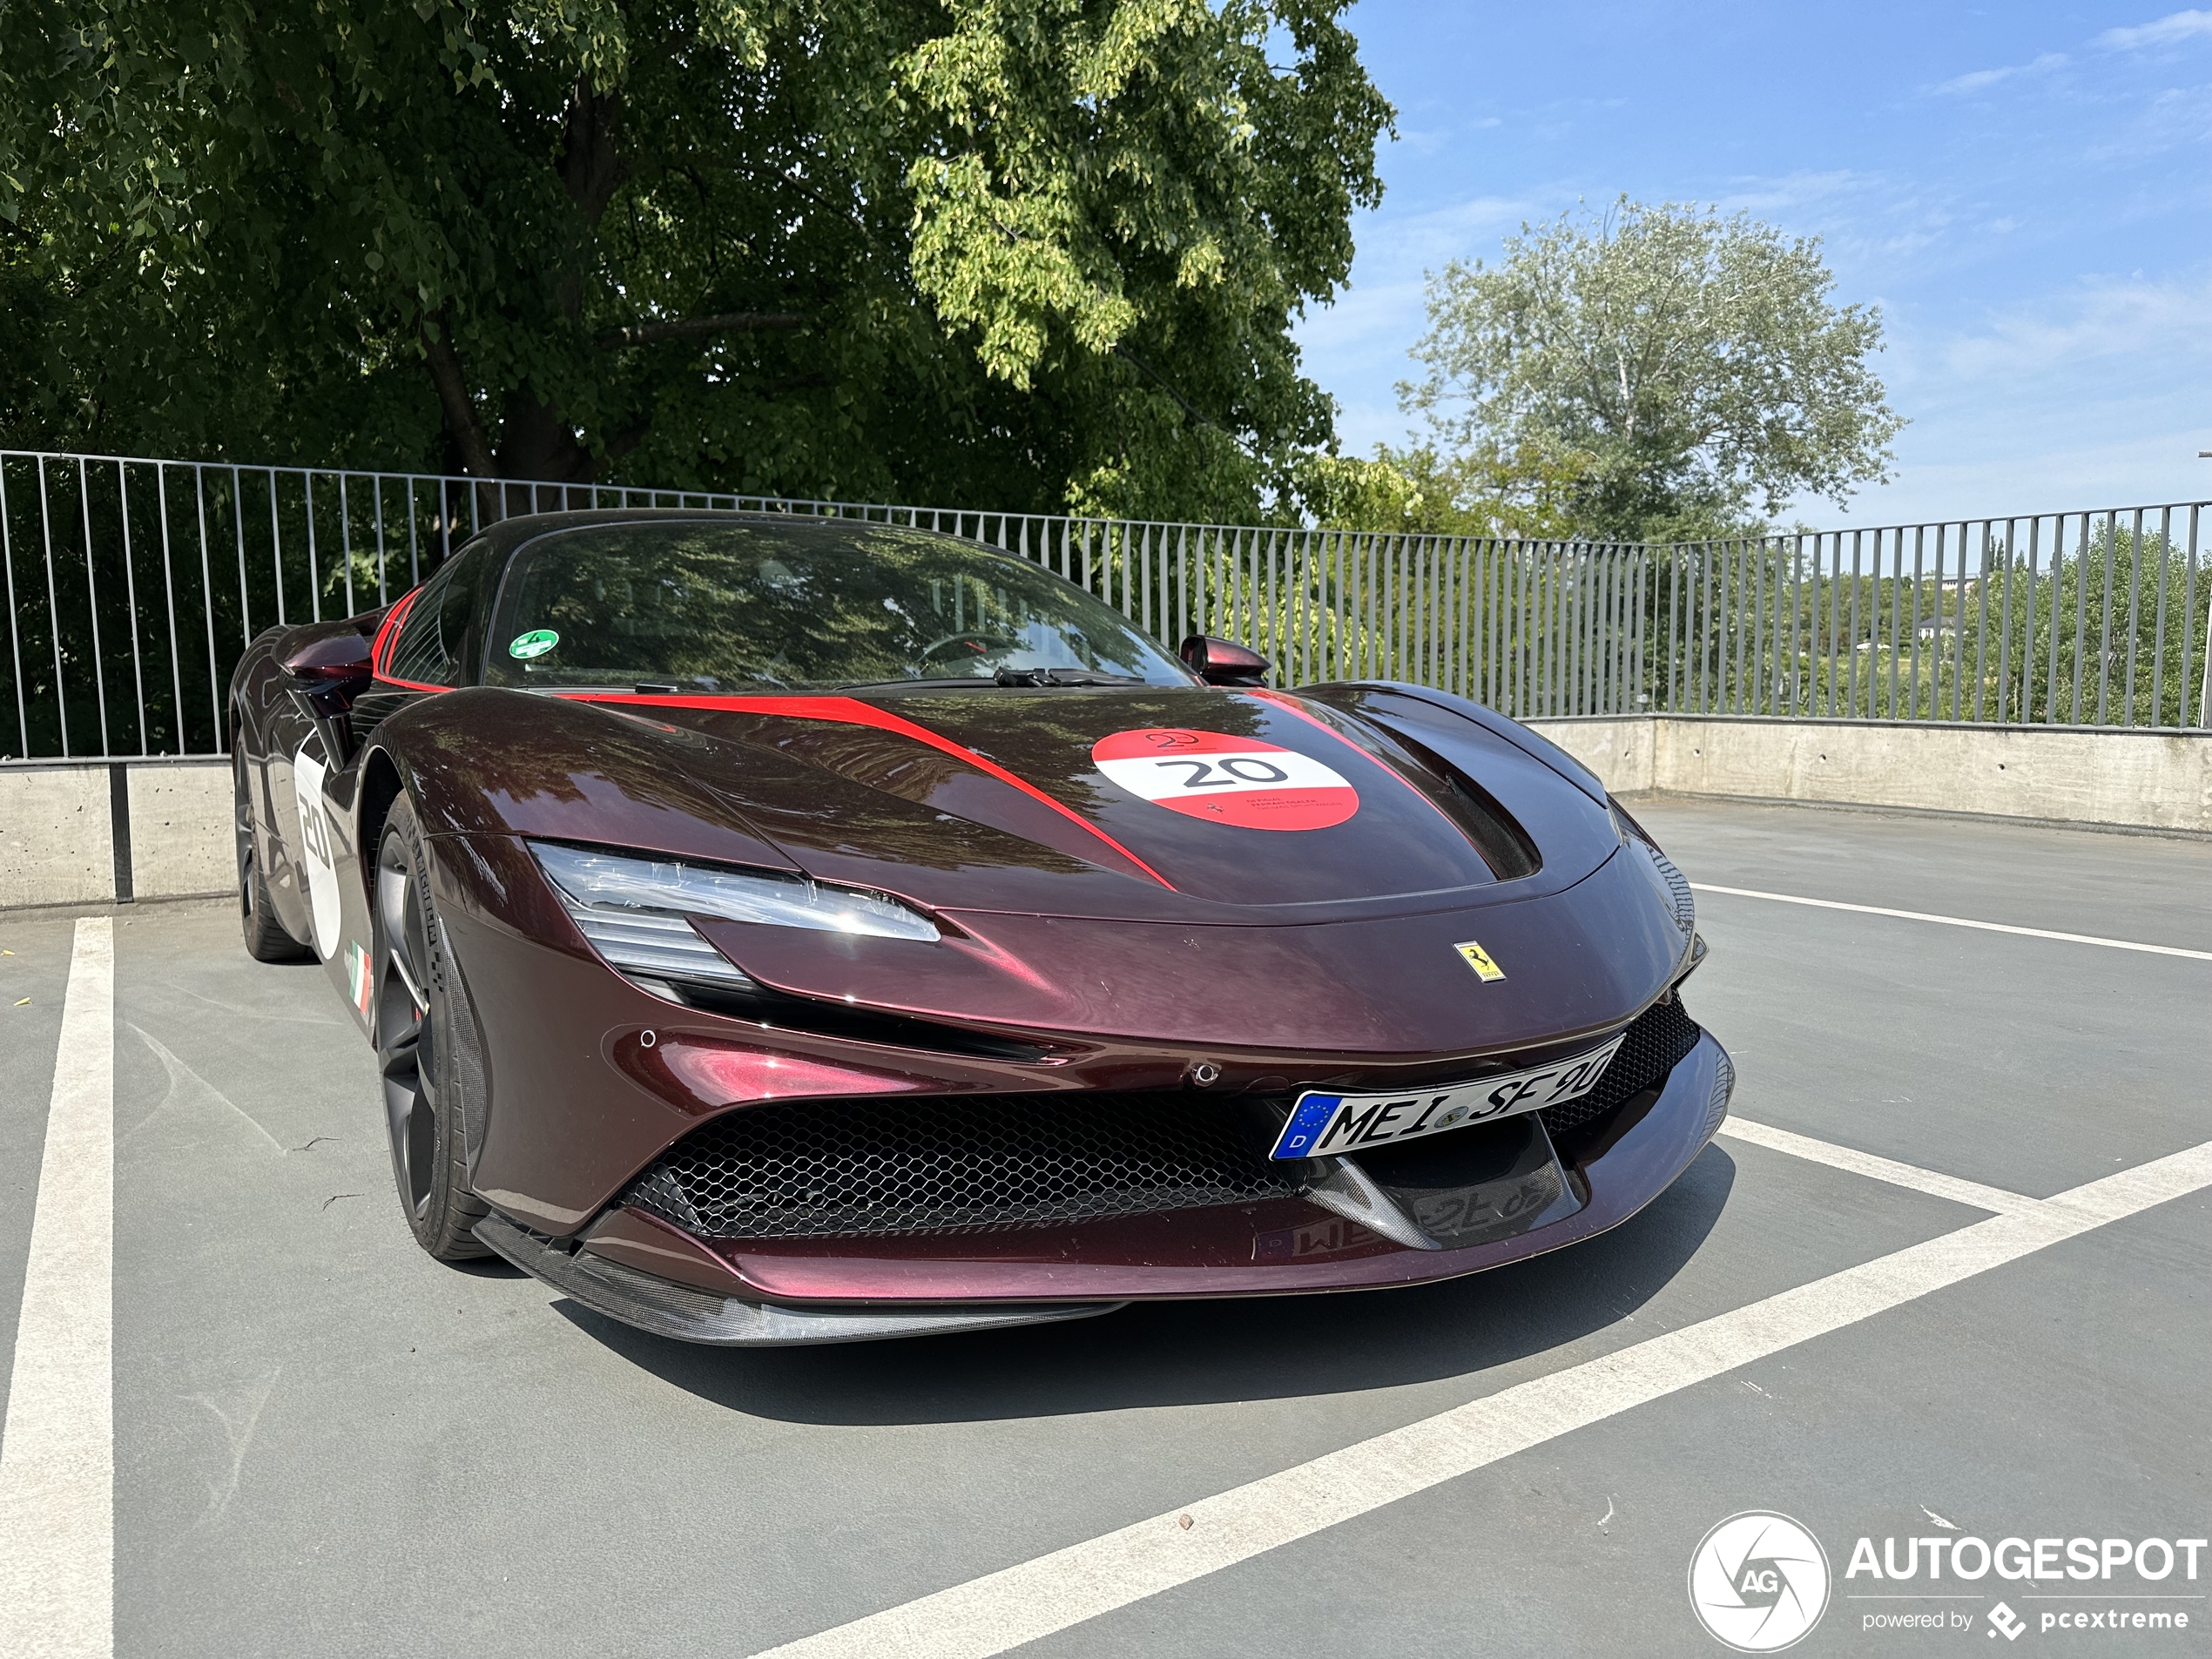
x=182, y=837
x=61, y=827
x=59, y=823
x=56, y=845
x=2157, y=780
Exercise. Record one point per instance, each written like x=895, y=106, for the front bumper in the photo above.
x=763, y=1292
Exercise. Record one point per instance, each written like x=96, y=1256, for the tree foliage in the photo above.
x=1689, y=370
x=1531, y=494
x=1036, y=253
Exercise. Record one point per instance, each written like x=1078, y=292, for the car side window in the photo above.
x=433, y=646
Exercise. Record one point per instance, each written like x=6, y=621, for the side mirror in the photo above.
x=327, y=658
x=1221, y=662
x=328, y=664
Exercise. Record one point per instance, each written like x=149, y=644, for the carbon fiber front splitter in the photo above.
x=671, y=1310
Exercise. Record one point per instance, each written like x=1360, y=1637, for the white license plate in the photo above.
x=1328, y=1125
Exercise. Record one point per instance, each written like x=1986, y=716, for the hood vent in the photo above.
x=1508, y=849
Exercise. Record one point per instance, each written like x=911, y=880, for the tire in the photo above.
x=415, y=1020
x=266, y=939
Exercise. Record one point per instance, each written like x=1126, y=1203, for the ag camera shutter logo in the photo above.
x=1758, y=1582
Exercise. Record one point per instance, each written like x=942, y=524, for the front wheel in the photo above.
x=416, y=1021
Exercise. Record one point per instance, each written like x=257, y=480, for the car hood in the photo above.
x=1075, y=901
x=1142, y=804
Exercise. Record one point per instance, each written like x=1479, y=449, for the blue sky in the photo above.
x=2023, y=189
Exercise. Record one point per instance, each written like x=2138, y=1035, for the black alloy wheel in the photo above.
x=411, y=1016
x=266, y=939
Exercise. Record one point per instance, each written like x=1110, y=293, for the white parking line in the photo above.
x=58, y=1449
x=1004, y=1609
x=1993, y=1199
x=1958, y=922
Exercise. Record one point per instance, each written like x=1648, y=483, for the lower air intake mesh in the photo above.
x=1657, y=1040
x=971, y=1164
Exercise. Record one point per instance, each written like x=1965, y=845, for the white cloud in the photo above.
x=1976, y=80
x=1792, y=192
x=2176, y=115
x=2105, y=319
x=2168, y=30
x=1398, y=247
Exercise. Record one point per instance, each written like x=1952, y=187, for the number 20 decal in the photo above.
x=1223, y=779
x=1230, y=773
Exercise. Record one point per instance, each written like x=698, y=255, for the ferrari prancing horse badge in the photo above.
x=1478, y=960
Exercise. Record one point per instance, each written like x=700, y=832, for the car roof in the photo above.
x=509, y=535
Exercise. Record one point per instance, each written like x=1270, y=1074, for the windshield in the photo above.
x=743, y=605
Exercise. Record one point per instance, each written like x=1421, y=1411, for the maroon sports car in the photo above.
x=776, y=930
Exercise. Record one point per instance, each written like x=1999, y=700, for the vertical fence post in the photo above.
x=15, y=618
x=169, y=587
x=2158, y=636
x=2204, y=694
x=92, y=602
x=131, y=598
x=2081, y=616
x=1981, y=620
x=1958, y=636
x=207, y=604
x=53, y=605
x=2004, y=619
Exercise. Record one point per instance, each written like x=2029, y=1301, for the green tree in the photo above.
x=1530, y=494
x=1693, y=362
x=1032, y=252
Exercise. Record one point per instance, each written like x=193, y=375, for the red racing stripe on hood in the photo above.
x=846, y=711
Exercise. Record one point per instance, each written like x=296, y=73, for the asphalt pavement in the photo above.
x=325, y=1443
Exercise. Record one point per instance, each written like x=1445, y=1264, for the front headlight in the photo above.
x=633, y=909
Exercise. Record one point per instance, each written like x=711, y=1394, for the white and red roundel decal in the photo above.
x=1222, y=779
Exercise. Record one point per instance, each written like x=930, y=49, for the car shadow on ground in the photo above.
x=1183, y=1353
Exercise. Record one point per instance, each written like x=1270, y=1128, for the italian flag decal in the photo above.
x=357, y=984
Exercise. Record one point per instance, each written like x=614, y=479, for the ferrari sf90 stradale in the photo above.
x=776, y=930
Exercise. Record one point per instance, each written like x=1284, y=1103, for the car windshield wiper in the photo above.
x=953, y=682
x=1065, y=676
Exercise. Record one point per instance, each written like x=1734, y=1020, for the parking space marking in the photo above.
x=57, y=1446
x=1022, y=1603
x=1993, y=1199
x=1957, y=921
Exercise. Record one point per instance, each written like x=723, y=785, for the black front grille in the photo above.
x=971, y=1164
x=1657, y=1040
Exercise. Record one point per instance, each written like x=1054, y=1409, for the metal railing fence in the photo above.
x=2091, y=619
x=132, y=585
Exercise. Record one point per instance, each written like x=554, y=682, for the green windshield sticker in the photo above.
x=535, y=642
